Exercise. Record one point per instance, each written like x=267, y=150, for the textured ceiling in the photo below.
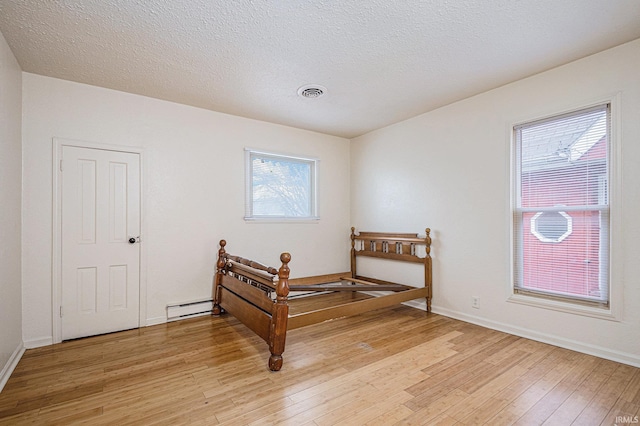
x=381, y=61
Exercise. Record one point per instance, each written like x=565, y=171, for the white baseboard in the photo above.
x=198, y=314
x=11, y=365
x=599, y=351
x=155, y=321
x=418, y=304
x=37, y=343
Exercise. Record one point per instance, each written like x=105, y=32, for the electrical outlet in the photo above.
x=475, y=302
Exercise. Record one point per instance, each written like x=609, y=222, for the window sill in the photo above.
x=567, y=307
x=281, y=220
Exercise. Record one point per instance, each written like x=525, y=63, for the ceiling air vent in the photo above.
x=312, y=91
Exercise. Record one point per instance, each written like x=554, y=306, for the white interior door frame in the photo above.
x=56, y=263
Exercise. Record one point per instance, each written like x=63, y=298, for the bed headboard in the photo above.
x=395, y=246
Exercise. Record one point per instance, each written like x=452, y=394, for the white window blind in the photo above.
x=561, y=215
x=280, y=187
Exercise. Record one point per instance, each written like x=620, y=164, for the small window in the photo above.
x=280, y=187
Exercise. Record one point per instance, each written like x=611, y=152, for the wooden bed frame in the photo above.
x=246, y=289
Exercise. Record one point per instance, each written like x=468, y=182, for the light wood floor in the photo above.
x=397, y=365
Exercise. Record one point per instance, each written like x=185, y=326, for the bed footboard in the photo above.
x=243, y=288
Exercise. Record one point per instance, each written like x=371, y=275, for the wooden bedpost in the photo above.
x=216, y=310
x=353, y=252
x=427, y=268
x=280, y=315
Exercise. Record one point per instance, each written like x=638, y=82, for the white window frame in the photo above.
x=613, y=311
x=312, y=189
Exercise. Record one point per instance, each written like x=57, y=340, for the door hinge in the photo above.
x=60, y=165
x=60, y=311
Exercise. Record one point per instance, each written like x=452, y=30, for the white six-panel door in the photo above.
x=100, y=270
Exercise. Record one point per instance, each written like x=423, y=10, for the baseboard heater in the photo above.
x=178, y=311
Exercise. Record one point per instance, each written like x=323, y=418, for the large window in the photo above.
x=280, y=187
x=561, y=215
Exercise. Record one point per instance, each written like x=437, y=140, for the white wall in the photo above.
x=449, y=170
x=193, y=191
x=10, y=211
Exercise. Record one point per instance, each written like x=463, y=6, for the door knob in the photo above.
x=134, y=240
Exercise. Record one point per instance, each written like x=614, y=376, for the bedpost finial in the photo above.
x=222, y=251
x=428, y=241
x=285, y=258
x=282, y=288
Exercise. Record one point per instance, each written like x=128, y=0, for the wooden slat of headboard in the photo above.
x=388, y=236
x=390, y=255
x=388, y=245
